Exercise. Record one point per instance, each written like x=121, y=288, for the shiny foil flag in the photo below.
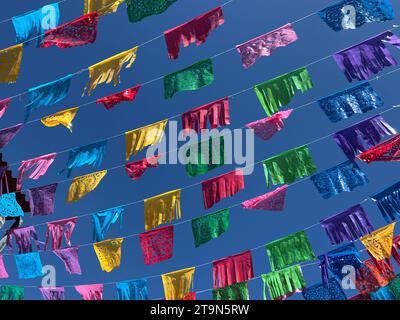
x=210, y=226
x=195, y=30
x=39, y=21
x=102, y=7
x=268, y=127
x=136, y=169
x=4, y=104
x=140, y=9
x=90, y=291
x=233, y=269
x=388, y=202
x=64, y=117
x=279, y=91
x=289, y=166
x=103, y=220
x=42, y=199
x=349, y=225
x=132, y=290
x=217, y=112
x=352, y=14
x=380, y=242
x=191, y=78
x=10, y=61
x=271, y=201
x=157, y=245
x=11, y=292
x=362, y=61
x=363, y=135
x=34, y=168
x=235, y=292
x=69, y=256
x=109, y=70
x=387, y=151
x=56, y=229
x=289, y=250
x=52, y=293
x=330, y=291
x=205, y=156
x=266, y=44
x=29, y=265
x=109, y=253
x=9, y=206
x=283, y=283
x=162, y=209
x=177, y=284
x=75, y=33
x=136, y=140
x=374, y=275
x=3, y=271
x=394, y=288
x=221, y=187
x=91, y=155
x=47, y=94
x=82, y=185
x=128, y=95
x=355, y=100
x=7, y=134
x=23, y=238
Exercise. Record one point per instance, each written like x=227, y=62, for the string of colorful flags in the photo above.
x=364, y=141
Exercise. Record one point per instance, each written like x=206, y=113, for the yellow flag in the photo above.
x=379, y=243
x=162, y=209
x=109, y=253
x=177, y=284
x=10, y=61
x=136, y=140
x=102, y=7
x=82, y=185
x=64, y=117
x=107, y=70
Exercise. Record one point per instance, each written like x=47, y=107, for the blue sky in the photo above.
x=244, y=20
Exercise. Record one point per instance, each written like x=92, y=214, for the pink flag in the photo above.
x=157, y=245
x=110, y=101
x=57, y=229
x=38, y=167
x=136, y=169
x=266, y=128
x=4, y=105
x=271, y=201
x=90, y=291
x=3, y=271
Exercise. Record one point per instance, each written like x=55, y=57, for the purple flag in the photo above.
x=42, y=199
x=7, y=134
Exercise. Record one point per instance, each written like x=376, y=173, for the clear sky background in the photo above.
x=244, y=20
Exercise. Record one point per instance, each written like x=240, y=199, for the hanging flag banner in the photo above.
x=136, y=169
x=349, y=225
x=210, y=226
x=140, y=9
x=79, y=32
x=90, y=291
x=177, y=284
x=266, y=44
x=344, y=177
x=52, y=293
x=157, y=245
x=330, y=291
x=279, y=91
x=380, y=242
x=233, y=269
x=217, y=112
x=47, y=94
x=109, y=253
x=83, y=185
x=128, y=95
x=352, y=14
x=271, y=201
x=289, y=250
x=7, y=134
x=363, y=135
x=195, y=30
x=38, y=21
x=235, y=292
x=374, y=275
x=42, y=199
x=103, y=220
x=11, y=292
x=205, y=156
x=56, y=229
x=191, y=78
x=109, y=70
x=221, y=187
x=133, y=290
x=102, y=7
x=362, y=61
x=289, y=166
x=64, y=117
x=23, y=238
x=162, y=209
x=91, y=155
x=34, y=168
x=388, y=202
x=387, y=151
x=136, y=140
x=29, y=265
x=4, y=104
x=3, y=271
x=9, y=206
x=268, y=127
x=283, y=283
x=69, y=256
x=10, y=61
x=355, y=100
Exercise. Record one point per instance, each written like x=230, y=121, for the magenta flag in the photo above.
x=271, y=201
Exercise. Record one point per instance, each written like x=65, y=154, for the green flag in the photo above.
x=139, y=9
x=237, y=291
x=11, y=293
